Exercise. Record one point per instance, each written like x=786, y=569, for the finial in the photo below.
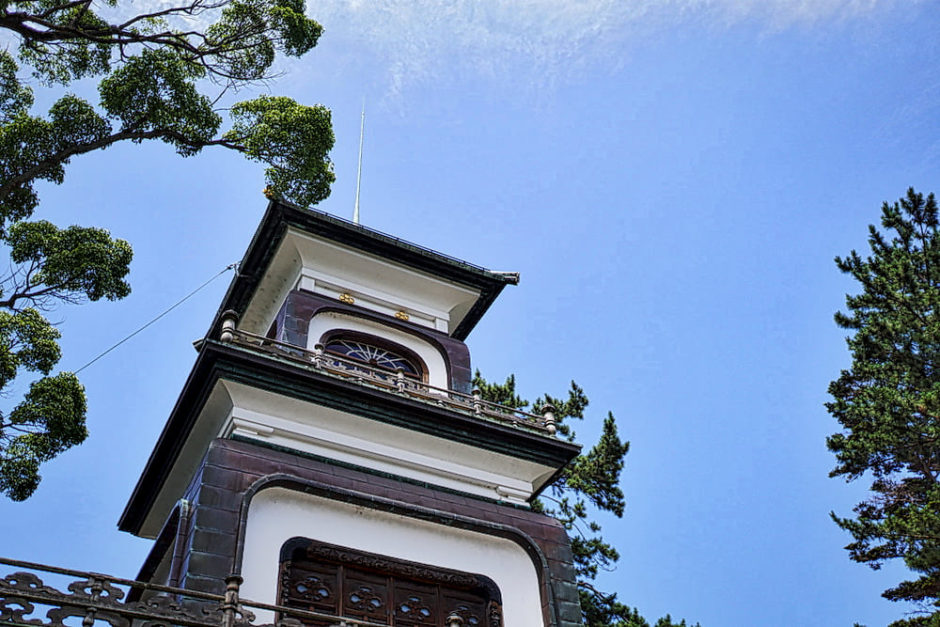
x=229, y=319
x=548, y=416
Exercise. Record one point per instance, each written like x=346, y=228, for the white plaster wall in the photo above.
x=329, y=321
x=335, y=434
x=277, y=514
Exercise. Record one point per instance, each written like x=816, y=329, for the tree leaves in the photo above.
x=50, y=420
x=888, y=401
x=154, y=93
x=27, y=340
x=160, y=79
x=243, y=21
x=69, y=264
x=70, y=58
x=295, y=139
x=298, y=34
x=14, y=97
x=54, y=402
x=596, y=474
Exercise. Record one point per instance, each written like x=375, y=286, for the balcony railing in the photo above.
x=96, y=600
x=330, y=364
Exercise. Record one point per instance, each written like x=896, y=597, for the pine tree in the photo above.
x=888, y=400
x=591, y=482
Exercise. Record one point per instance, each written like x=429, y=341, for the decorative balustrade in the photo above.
x=393, y=382
x=96, y=600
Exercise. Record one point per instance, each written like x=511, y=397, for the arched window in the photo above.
x=346, y=583
x=375, y=352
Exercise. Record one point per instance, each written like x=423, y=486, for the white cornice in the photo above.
x=350, y=439
x=320, y=266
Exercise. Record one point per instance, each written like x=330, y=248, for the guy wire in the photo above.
x=231, y=266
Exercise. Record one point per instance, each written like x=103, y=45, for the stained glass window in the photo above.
x=376, y=356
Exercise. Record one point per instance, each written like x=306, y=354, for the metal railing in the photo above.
x=395, y=382
x=95, y=600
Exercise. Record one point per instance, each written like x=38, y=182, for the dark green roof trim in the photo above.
x=281, y=215
x=232, y=363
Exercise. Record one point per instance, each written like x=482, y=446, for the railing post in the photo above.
x=229, y=318
x=400, y=380
x=477, y=400
x=317, y=355
x=230, y=606
x=454, y=620
x=92, y=611
x=548, y=417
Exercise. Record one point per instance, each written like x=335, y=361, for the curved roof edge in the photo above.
x=281, y=215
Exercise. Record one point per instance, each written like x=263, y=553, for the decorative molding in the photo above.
x=316, y=551
x=241, y=427
x=347, y=439
x=427, y=314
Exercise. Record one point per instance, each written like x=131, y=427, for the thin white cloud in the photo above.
x=427, y=40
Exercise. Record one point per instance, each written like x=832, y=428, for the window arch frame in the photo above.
x=334, y=335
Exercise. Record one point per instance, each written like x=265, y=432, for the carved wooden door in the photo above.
x=341, y=582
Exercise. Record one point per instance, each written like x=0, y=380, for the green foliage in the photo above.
x=154, y=92
x=159, y=78
x=931, y=620
x=888, y=400
x=295, y=140
x=53, y=265
x=153, y=81
x=68, y=264
x=49, y=420
x=591, y=480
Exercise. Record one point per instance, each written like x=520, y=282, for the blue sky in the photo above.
x=672, y=179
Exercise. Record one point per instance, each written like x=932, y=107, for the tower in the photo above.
x=328, y=448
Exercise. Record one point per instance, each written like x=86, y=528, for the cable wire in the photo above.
x=231, y=266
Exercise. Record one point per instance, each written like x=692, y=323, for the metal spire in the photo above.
x=362, y=127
